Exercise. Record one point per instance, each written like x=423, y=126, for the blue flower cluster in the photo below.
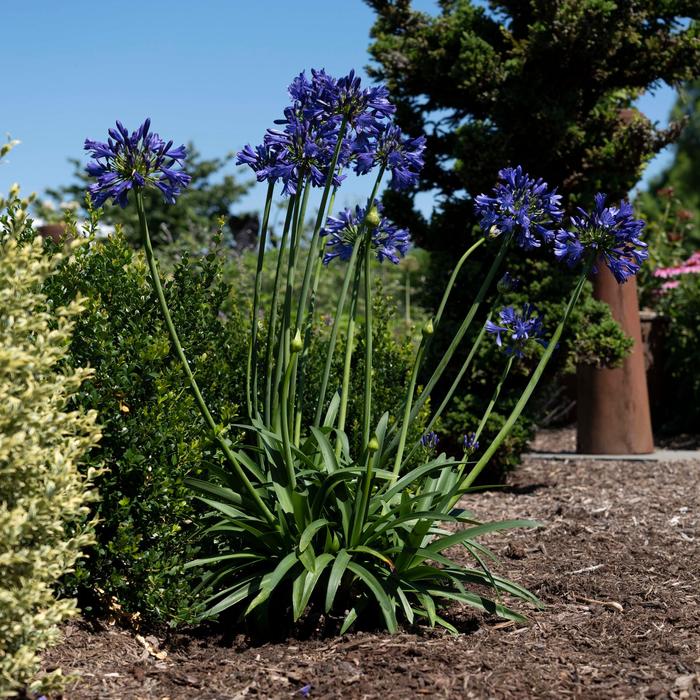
x=470, y=443
x=532, y=213
x=612, y=231
x=522, y=206
x=323, y=110
x=135, y=161
x=430, y=440
x=516, y=329
x=389, y=241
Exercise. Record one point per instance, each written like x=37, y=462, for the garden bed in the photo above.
x=617, y=564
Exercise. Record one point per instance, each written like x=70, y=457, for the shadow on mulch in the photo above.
x=617, y=564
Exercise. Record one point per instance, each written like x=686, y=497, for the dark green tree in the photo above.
x=550, y=85
x=543, y=83
x=210, y=196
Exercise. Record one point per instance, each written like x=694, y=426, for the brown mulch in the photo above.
x=617, y=564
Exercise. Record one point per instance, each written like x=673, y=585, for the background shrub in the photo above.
x=682, y=340
x=593, y=338
x=43, y=495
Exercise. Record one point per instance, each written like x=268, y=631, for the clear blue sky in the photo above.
x=214, y=72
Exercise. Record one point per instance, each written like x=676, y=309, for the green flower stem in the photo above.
x=481, y=294
x=340, y=308
x=252, y=367
x=349, y=274
x=489, y=408
x=453, y=279
x=494, y=398
x=272, y=323
x=307, y=333
x=453, y=388
x=367, y=408
x=527, y=393
x=285, y=337
x=462, y=370
x=301, y=308
x=199, y=399
x=362, y=496
x=407, y=299
x=406, y=422
x=291, y=396
x=284, y=407
x=345, y=388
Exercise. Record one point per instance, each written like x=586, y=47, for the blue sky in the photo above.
x=214, y=72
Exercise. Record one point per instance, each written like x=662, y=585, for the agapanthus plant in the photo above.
x=296, y=520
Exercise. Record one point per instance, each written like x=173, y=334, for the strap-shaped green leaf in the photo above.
x=472, y=532
x=304, y=585
x=270, y=581
x=310, y=531
x=385, y=604
x=329, y=460
x=342, y=558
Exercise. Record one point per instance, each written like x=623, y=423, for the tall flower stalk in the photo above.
x=292, y=508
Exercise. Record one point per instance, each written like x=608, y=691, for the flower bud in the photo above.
x=373, y=444
x=494, y=232
x=297, y=345
x=428, y=329
x=373, y=218
x=507, y=283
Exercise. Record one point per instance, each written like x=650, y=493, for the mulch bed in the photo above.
x=617, y=564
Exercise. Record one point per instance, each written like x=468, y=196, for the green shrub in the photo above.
x=153, y=436
x=43, y=495
x=594, y=338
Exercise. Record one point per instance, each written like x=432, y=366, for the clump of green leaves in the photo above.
x=351, y=539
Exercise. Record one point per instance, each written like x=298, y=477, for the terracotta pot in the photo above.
x=53, y=231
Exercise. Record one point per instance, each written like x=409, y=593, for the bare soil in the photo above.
x=617, y=564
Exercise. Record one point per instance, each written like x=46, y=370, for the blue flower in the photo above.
x=516, y=329
x=309, y=131
x=401, y=155
x=389, y=241
x=138, y=160
x=364, y=108
x=430, y=440
x=470, y=443
x=262, y=160
x=611, y=231
x=520, y=205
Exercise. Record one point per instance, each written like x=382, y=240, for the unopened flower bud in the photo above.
x=373, y=444
x=494, y=232
x=373, y=217
x=14, y=190
x=507, y=283
x=297, y=344
x=428, y=329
